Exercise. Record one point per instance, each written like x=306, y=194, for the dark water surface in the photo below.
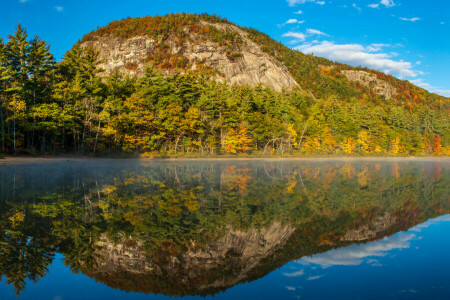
x=324, y=229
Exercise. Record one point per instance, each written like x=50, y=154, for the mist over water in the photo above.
x=312, y=229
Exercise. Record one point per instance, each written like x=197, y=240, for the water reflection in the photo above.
x=198, y=228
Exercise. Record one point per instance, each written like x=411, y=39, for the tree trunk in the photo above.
x=96, y=136
x=43, y=144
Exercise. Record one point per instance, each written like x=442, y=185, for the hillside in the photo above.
x=235, y=53
x=185, y=84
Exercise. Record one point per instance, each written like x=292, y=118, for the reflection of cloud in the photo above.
x=355, y=254
x=418, y=228
x=314, y=277
x=374, y=262
x=408, y=291
x=290, y=288
x=445, y=218
x=294, y=274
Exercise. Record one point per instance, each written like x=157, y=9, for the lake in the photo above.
x=237, y=229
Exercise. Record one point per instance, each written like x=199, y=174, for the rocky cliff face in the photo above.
x=243, y=63
x=378, y=86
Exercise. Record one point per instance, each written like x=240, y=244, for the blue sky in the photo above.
x=409, y=39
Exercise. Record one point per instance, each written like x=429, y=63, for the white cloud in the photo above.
x=291, y=21
x=388, y=3
x=410, y=20
x=290, y=288
x=23, y=1
x=442, y=23
x=358, y=55
x=356, y=7
x=299, y=12
x=315, y=31
x=294, y=21
x=297, y=35
x=377, y=47
x=294, y=274
x=295, y=2
x=356, y=254
x=432, y=89
x=59, y=8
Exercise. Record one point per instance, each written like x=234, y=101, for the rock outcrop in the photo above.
x=244, y=64
x=370, y=80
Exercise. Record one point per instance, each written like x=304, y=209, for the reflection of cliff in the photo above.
x=370, y=231
x=218, y=265
x=236, y=257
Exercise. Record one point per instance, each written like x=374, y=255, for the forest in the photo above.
x=50, y=107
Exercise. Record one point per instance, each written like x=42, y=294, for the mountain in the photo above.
x=186, y=84
x=240, y=55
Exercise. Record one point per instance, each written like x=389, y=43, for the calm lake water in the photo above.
x=266, y=229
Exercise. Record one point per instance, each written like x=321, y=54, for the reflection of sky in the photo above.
x=411, y=265
x=407, y=265
x=357, y=254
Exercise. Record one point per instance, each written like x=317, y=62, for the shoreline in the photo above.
x=49, y=158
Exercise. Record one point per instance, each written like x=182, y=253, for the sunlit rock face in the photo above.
x=378, y=86
x=203, y=270
x=244, y=64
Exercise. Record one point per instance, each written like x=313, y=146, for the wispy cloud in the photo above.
x=315, y=31
x=356, y=7
x=358, y=55
x=297, y=35
x=385, y=3
x=388, y=3
x=356, y=254
x=59, y=8
x=295, y=2
x=299, y=12
x=410, y=19
x=291, y=21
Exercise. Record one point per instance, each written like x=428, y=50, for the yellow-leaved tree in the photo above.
x=237, y=142
x=348, y=145
x=395, y=145
x=363, y=142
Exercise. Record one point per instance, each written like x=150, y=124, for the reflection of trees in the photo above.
x=24, y=257
x=170, y=208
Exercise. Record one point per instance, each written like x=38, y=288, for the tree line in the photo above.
x=66, y=107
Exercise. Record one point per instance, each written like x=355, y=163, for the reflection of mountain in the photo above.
x=236, y=257
x=200, y=228
x=218, y=265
